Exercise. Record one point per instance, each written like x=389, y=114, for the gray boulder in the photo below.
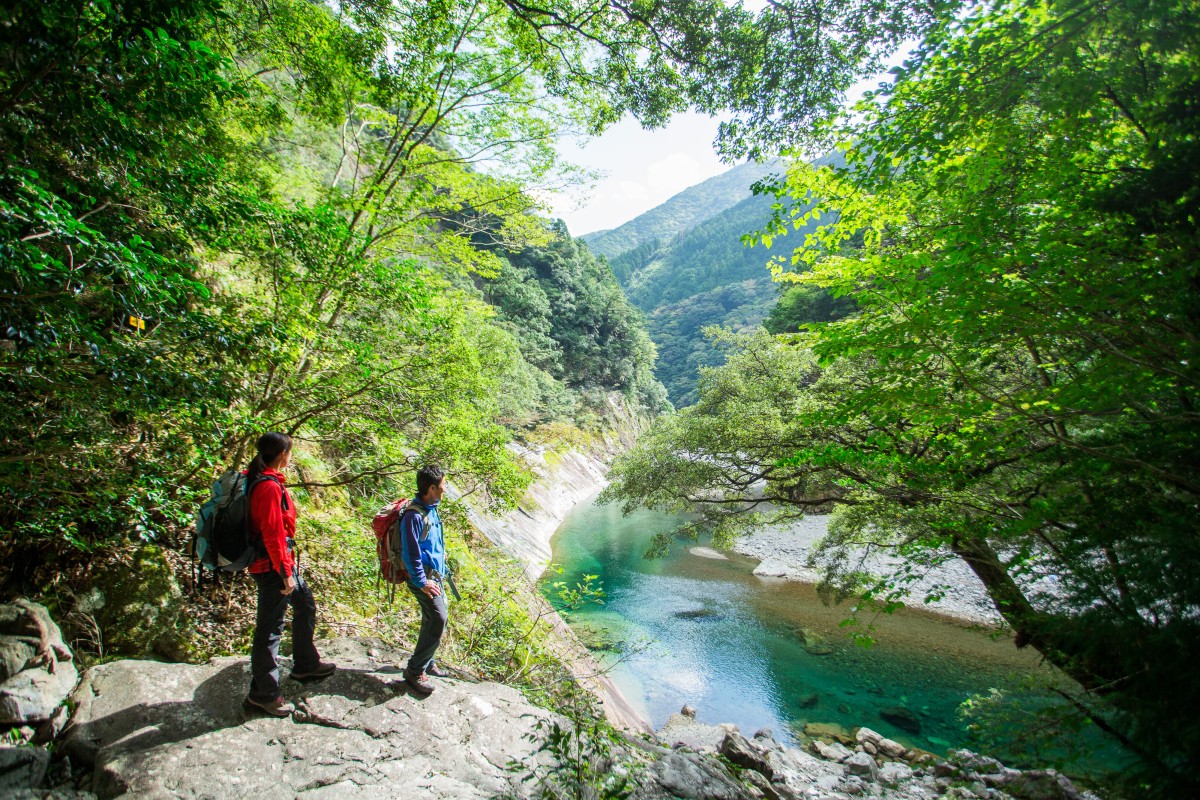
x=830, y=752
x=683, y=729
x=874, y=742
x=154, y=729
x=37, y=669
x=1041, y=784
x=689, y=776
x=21, y=768
x=893, y=773
x=746, y=754
x=796, y=772
x=862, y=765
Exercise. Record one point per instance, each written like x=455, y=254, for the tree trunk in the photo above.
x=1033, y=628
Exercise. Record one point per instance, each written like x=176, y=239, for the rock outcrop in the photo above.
x=145, y=729
x=877, y=767
x=176, y=730
x=37, y=669
x=564, y=480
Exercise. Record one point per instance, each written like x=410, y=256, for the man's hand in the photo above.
x=431, y=589
x=289, y=585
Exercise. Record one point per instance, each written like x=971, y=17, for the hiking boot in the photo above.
x=437, y=672
x=418, y=683
x=322, y=670
x=275, y=708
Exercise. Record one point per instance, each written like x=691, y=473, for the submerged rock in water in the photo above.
x=809, y=701
x=829, y=731
x=708, y=552
x=698, y=613
x=902, y=718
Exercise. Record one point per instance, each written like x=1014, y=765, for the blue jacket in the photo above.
x=422, y=554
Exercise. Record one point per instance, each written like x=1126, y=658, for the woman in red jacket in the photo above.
x=273, y=518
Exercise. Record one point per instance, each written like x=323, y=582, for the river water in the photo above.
x=761, y=652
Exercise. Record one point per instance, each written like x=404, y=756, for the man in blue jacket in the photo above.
x=423, y=548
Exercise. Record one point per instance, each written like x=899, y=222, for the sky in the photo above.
x=641, y=170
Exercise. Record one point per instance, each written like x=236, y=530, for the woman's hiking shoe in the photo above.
x=418, y=683
x=275, y=708
x=322, y=670
x=436, y=671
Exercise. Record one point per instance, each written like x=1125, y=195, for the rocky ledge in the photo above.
x=154, y=730
x=868, y=765
x=146, y=729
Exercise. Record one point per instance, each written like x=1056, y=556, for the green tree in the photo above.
x=1018, y=387
x=112, y=171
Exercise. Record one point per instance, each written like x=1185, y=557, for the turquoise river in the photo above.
x=762, y=652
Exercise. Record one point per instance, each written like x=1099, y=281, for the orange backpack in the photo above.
x=388, y=545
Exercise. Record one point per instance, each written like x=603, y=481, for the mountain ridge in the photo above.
x=682, y=211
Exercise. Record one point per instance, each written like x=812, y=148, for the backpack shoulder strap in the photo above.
x=283, y=495
x=418, y=508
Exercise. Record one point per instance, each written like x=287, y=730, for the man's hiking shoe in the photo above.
x=436, y=671
x=418, y=683
x=322, y=670
x=275, y=708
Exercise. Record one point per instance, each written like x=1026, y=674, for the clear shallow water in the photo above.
x=763, y=652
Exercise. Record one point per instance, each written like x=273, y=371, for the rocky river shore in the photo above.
x=145, y=729
x=783, y=552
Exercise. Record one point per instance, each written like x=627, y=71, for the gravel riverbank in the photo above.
x=784, y=549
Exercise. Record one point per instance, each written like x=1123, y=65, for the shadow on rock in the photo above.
x=214, y=703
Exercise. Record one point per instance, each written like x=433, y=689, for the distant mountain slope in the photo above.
x=678, y=331
x=685, y=210
x=686, y=280
x=706, y=257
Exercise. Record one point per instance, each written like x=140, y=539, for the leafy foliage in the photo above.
x=1016, y=224
x=221, y=218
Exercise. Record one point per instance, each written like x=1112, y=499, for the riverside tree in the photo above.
x=1017, y=225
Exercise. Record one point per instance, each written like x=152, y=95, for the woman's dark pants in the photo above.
x=268, y=630
x=433, y=623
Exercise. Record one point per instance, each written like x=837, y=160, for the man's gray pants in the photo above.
x=433, y=624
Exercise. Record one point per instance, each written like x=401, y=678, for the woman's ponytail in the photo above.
x=270, y=447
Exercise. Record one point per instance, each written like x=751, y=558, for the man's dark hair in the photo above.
x=428, y=476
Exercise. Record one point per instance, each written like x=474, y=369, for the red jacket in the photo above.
x=275, y=524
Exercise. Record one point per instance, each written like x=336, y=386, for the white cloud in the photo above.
x=642, y=169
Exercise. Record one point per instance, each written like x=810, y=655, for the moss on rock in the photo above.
x=137, y=605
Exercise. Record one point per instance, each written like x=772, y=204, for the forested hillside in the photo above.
x=705, y=276
x=682, y=212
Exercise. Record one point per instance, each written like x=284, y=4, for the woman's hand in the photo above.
x=289, y=585
x=431, y=589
